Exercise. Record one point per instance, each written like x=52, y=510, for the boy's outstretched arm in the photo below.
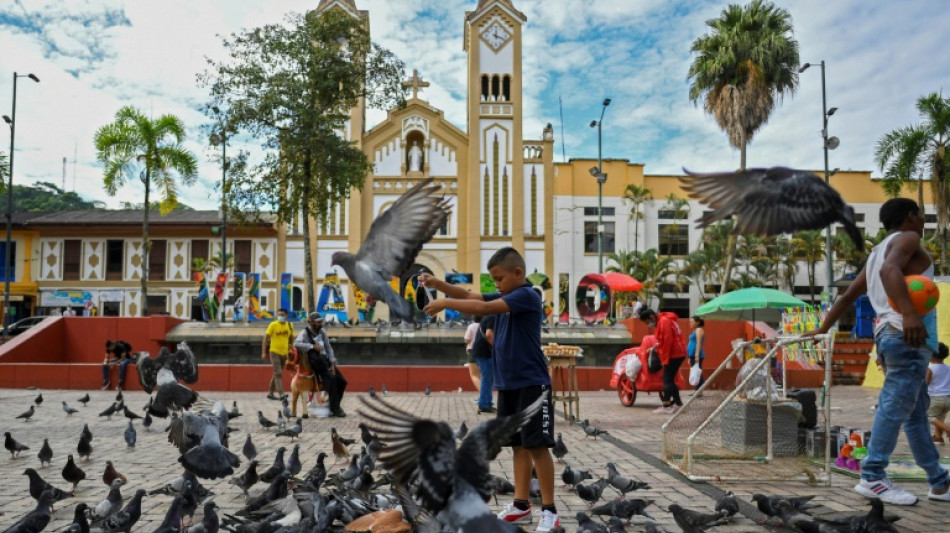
x=452, y=291
x=471, y=306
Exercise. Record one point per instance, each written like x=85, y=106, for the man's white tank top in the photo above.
x=886, y=315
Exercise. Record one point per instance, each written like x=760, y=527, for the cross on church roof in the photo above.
x=416, y=83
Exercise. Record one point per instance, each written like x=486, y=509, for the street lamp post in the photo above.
x=7, y=266
x=828, y=143
x=222, y=137
x=598, y=173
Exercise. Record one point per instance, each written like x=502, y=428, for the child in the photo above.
x=938, y=387
x=520, y=373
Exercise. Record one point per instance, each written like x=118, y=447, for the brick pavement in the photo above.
x=634, y=444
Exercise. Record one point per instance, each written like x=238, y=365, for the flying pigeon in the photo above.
x=162, y=374
x=13, y=446
x=73, y=473
x=202, y=439
x=46, y=454
x=69, y=410
x=770, y=201
x=84, y=400
x=26, y=415
x=391, y=246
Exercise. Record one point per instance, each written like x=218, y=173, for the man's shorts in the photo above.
x=538, y=432
x=939, y=407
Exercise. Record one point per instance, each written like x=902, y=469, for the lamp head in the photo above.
x=593, y=123
x=7, y=119
x=606, y=102
x=832, y=111
x=803, y=68
x=33, y=77
x=594, y=171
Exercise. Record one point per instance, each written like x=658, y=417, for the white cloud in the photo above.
x=95, y=56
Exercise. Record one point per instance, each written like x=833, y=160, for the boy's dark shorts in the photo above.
x=538, y=432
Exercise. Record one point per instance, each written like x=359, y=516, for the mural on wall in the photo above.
x=239, y=284
x=202, y=282
x=365, y=304
x=254, y=311
x=564, y=293
x=220, y=287
x=287, y=292
x=542, y=282
x=593, y=298
x=331, y=302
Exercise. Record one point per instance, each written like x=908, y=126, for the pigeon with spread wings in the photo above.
x=770, y=201
x=163, y=373
x=393, y=241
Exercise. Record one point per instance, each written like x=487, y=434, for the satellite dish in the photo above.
x=832, y=142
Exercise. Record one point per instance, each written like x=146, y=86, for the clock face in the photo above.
x=496, y=35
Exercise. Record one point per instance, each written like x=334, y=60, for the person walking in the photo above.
x=672, y=352
x=905, y=342
x=482, y=350
x=474, y=371
x=314, y=342
x=694, y=348
x=274, y=347
x=520, y=372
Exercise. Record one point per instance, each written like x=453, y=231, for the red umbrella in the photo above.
x=619, y=282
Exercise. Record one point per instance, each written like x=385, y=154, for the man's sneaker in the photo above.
x=944, y=497
x=513, y=515
x=663, y=410
x=886, y=490
x=548, y=522
x=105, y=385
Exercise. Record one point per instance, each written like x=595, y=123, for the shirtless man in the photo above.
x=904, y=347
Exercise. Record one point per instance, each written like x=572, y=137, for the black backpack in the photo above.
x=319, y=362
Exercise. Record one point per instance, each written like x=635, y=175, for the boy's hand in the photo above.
x=434, y=307
x=425, y=279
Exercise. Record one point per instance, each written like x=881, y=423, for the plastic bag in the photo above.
x=695, y=374
x=760, y=384
x=653, y=361
x=633, y=366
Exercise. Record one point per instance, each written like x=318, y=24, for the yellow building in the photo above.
x=23, y=287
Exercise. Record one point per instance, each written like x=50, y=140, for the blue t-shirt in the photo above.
x=519, y=361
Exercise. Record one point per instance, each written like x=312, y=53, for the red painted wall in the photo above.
x=719, y=335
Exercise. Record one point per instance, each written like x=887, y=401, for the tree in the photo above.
x=851, y=259
x=913, y=153
x=809, y=246
x=747, y=60
x=156, y=206
x=4, y=171
x=138, y=147
x=292, y=87
x=43, y=196
x=637, y=195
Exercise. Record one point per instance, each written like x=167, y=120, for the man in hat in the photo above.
x=314, y=342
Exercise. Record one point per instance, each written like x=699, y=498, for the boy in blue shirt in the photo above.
x=520, y=372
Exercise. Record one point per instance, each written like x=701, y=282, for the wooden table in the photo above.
x=564, y=388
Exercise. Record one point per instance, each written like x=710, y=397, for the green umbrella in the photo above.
x=753, y=303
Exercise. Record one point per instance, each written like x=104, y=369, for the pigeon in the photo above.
x=586, y=525
x=27, y=414
x=129, y=414
x=292, y=431
x=285, y=408
x=768, y=505
x=13, y=446
x=624, y=509
x=84, y=448
x=234, y=412
x=86, y=433
x=384, y=390
x=500, y=486
x=38, y=486
x=172, y=520
x=694, y=521
x=391, y=246
x=177, y=486
x=275, y=469
x=118, y=395
x=249, y=450
x=571, y=476
x=265, y=423
x=372, y=392
x=79, y=523
x=147, y=421
x=615, y=525
x=339, y=449
x=209, y=522
x=111, y=410
x=874, y=521
x=46, y=454
x=293, y=462
x=39, y=399
x=452, y=483
x=109, y=506
x=110, y=474
x=162, y=374
x=37, y=519
x=428, y=390
x=462, y=431
x=651, y=527
x=69, y=410
x=365, y=434
x=202, y=438
x=84, y=400
x=770, y=201
x=247, y=479
x=345, y=441
x=127, y=517
x=275, y=491
x=621, y=483
x=353, y=470
x=318, y=473
x=73, y=473
x=727, y=505
x=559, y=450
x=591, y=493
x=130, y=435
x=591, y=431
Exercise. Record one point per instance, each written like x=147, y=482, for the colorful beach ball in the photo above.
x=923, y=292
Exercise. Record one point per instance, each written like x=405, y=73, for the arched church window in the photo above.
x=495, y=87
x=484, y=87
x=506, y=88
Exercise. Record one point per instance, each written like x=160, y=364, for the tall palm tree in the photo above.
x=919, y=151
x=680, y=208
x=136, y=146
x=623, y=261
x=809, y=247
x=637, y=195
x=784, y=253
x=747, y=60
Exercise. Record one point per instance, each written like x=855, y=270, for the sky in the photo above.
x=96, y=56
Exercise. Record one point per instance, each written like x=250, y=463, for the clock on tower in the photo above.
x=496, y=36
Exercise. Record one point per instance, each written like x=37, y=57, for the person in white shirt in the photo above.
x=938, y=387
x=469, y=338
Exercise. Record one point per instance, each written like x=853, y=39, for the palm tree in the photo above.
x=919, y=151
x=637, y=195
x=623, y=261
x=809, y=246
x=784, y=253
x=746, y=61
x=850, y=258
x=701, y=267
x=135, y=144
x=680, y=208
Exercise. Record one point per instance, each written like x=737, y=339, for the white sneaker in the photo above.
x=945, y=497
x=886, y=490
x=548, y=522
x=663, y=410
x=513, y=515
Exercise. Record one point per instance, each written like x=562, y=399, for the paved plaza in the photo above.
x=634, y=444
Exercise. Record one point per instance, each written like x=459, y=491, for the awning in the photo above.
x=619, y=282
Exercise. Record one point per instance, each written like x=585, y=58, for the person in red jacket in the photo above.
x=672, y=351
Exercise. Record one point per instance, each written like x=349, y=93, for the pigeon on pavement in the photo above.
x=127, y=517
x=46, y=454
x=293, y=462
x=591, y=431
x=559, y=450
x=130, y=435
x=69, y=410
x=249, y=450
x=768, y=505
x=234, y=412
x=694, y=521
x=264, y=421
x=111, y=410
x=109, y=506
x=591, y=493
x=292, y=431
x=462, y=431
x=173, y=516
x=586, y=525
x=27, y=414
x=340, y=450
x=391, y=246
x=209, y=522
x=110, y=474
x=72, y=473
x=39, y=399
x=147, y=421
x=621, y=483
x=37, y=519
x=615, y=525
x=770, y=201
x=248, y=479
x=84, y=448
x=571, y=476
x=624, y=509
x=38, y=486
x=128, y=413
x=86, y=433
x=79, y=523
x=727, y=505
x=13, y=446
x=84, y=400
x=275, y=469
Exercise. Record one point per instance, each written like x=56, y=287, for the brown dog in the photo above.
x=304, y=380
